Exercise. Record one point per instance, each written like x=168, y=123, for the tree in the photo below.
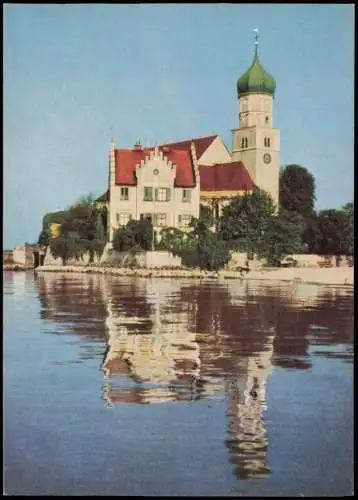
x=246, y=219
x=172, y=239
x=138, y=234
x=337, y=230
x=210, y=250
x=44, y=238
x=311, y=235
x=283, y=237
x=297, y=190
x=85, y=200
x=348, y=210
x=100, y=236
x=65, y=246
x=206, y=214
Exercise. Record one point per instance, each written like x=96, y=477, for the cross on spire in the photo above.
x=256, y=30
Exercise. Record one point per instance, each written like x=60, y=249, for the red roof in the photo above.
x=201, y=144
x=126, y=161
x=225, y=177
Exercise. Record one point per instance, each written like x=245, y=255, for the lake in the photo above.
x=139, y=386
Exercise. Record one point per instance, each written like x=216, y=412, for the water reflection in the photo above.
x=169, y=340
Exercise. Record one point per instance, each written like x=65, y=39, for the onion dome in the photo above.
x=256, y=79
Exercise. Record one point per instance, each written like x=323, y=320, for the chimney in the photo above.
x=137, y=146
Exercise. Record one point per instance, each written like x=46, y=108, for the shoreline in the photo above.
x=343, y=276
x=16, y=267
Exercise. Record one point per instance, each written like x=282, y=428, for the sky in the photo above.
x=76, y=74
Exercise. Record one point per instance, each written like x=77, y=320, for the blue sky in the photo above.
x=73, y=73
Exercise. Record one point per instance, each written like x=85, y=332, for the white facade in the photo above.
x=256, y=143
x=155, y=194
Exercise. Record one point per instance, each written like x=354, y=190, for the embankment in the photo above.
x=322, y=276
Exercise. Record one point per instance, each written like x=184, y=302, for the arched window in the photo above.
x=266, y=120
x=244, y=142
x=267, y=142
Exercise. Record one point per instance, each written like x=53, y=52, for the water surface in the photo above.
x=135, y=386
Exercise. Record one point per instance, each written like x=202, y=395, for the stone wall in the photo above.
x=158, y=259
x=239, y=259
x=51, y=261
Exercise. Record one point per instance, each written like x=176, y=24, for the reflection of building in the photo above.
x=247, y=436
x=157, y=348
x=183, y=340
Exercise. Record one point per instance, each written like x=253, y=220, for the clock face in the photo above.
x=267, y=158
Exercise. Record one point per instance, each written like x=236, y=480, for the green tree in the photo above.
x=44, y=238
x=206, y=214
x=283, y=237
x=336, y=227
x=311, y=234
x=297, y=190
x=245, y=221
x=85, y=200
x=172, y=239
x=65, y=246
x=348, y=210
x=205, y=248
x=138, y=234
x=100, y=236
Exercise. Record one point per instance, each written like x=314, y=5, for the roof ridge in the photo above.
x=192, y=139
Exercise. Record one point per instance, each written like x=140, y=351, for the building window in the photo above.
x=266, y=120
x=124, y=193
x=155, y=219
x=184, y=220
x=161, y=220
x=244, y=142
x=267, y=142
x=148, y=217
x=186, y=195
x=123, y=219
x=162, y=194
x=148, y=194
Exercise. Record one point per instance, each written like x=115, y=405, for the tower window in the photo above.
x=244, y=142
x=266, y=120
x=267, y=142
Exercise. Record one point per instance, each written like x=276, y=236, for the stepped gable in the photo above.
x=126, y=161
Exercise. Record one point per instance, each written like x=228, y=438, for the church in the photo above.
x=167, y=183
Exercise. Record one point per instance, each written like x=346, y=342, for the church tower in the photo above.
x=256, y=143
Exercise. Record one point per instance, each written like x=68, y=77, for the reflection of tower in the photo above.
x=247, y=437
x=150, y=343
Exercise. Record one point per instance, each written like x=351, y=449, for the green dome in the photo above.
x=256, y=80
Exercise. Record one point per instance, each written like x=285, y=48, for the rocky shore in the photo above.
x=322, y=276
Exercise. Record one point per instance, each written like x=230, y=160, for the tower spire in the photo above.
x=256, y=30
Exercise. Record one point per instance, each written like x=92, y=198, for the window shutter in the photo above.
x=156, y=194
x=168, y=194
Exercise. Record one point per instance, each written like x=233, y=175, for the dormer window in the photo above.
x=267, y=142
x=244, y=142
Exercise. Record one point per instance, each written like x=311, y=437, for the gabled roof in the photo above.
x=201, y=144
x=103, y=198
x=225, y=177
x=126, y=161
